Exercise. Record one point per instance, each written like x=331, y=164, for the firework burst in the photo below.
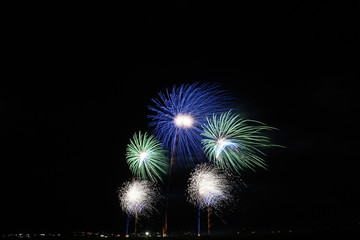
x=138, y=198
x=179, y=114
x=234, y=143
x=146, y=157
x=209, y=187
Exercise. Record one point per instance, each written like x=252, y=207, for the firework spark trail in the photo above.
x=172, y=162
x=234, y=143
x=138, y=198
x=127, y=224
x=146, y=157
x=177, y=118
x=209, y=188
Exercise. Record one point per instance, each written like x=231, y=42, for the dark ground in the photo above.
x=283, y=236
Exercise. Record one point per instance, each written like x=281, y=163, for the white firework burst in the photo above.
x=138, y=197
x=209, y=186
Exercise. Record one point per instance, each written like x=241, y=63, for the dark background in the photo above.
x=77, y=81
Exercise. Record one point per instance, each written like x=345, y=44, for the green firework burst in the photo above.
x=146, y=157
x=235, y=143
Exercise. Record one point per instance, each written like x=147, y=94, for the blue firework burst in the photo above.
x=179, y=113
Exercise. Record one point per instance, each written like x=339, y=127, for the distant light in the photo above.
x=184, y=121
x=147, y=233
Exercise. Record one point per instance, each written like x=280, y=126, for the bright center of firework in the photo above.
x=135, y=195
x=208, y=185
x=184, y=121
x=221, y=144
x=142, y=156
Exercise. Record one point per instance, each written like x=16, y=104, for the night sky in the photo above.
x=79, y=81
